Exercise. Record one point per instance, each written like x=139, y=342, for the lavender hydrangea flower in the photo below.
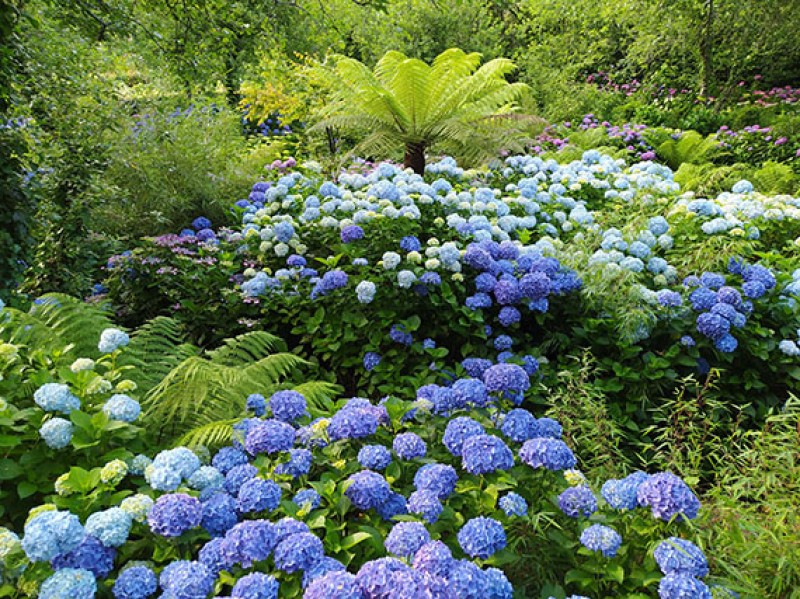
x=269, y=436
x=174, y=514
x=668, y=497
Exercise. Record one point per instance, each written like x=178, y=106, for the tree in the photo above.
x=404, y=101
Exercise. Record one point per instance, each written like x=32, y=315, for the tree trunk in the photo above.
x=707, y=49
x=415, y=157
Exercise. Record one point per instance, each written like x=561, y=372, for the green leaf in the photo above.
x=354, y=539
x=26, y=489
x=9, y=469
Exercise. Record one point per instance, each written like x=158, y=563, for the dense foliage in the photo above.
x=244, y=352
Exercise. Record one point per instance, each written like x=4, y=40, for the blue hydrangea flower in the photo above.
x=482, y=454
x=410, y=244
x=186, y=580
x=702, y=299
x=257, y=404
x=219, y=513
x=604, y=539
x=334, y=585
x=352, y=423
x=371, y=360
x=712, y=325
x=398, y=334
x=395, y=505
x=542, y=452
x=425, y=503
x=258, y=495
x=374, y=457
x=111, y=340
x=409, y=446
x=90, y=555
x=330, y=281
x=682, y=586
x=547, y=427
x=255, y=586
x=351, y=233
x=56, y=397
x=475, y=367
x=466, y=580
x=508, y=379
x=298, y=552
x=365, y=292
x=111, y=527
x=237, y=476
x=288, y=406
x=513, y=504
x=56, y=433
x=503, y=342
x=138, y=582
x=406, y=538
x=482, y=537
x=435, y=558
x=51, y=533
x=69, y=583
x=321, y=568
x=299, y=463
x=174, y=514
x=469, y=391
x=181, y=460
x=679, y=556
x=227, y=458
x=668, y=496
x=577, y=501
x=367, y=489
x=284, y=231
x=307, y=497
x=457, y=431
x=375, y=576
x=439, y=478
x=499, y=586
x=123, y=408
x=620, y=494
x=269, y=436
x=519, y=425
x=247, y=542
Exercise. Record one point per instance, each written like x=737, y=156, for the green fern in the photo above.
x=775, y=178
x=203, y=395
x=154, y=350
x=690, y=147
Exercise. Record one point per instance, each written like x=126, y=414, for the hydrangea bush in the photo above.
x=387, y=277
x=456, y=496
x=67, y=423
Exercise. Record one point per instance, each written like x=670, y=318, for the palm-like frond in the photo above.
x=154, y=350
x=405, y=101
x=246, y=348
x=202, y=396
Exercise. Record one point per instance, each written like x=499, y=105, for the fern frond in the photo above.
x=246, y=348
x=211, y=435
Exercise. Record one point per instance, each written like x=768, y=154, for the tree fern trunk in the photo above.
x=415, y=157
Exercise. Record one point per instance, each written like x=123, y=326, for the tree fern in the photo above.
x=405, y=102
